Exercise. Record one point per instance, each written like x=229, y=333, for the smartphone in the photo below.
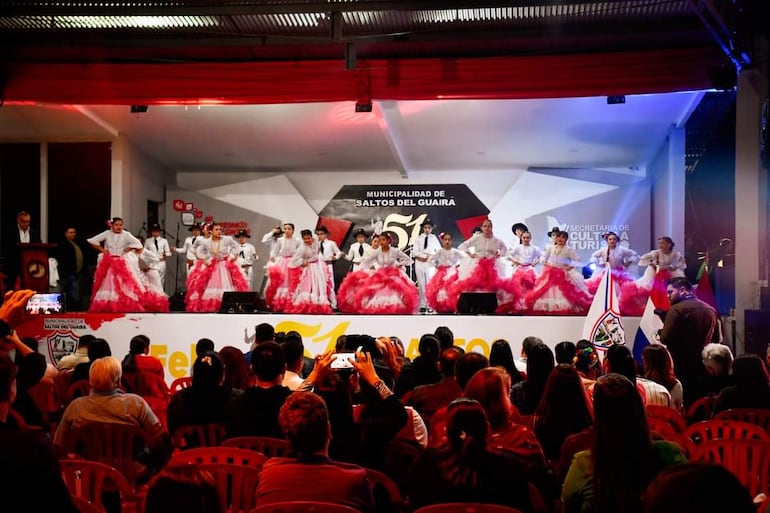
x=43, y=304
x=340, y=360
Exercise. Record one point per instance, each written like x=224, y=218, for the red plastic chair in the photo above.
x=466, y=507
x=79, y=388
x=225, y=455
x=684, y=443
x=670, y=415
x=304, y=507
x=719, y=428
x=748, y=460
x=236, y=484
x=702, y=409
x=85, y=506
x=384, y=489
x=270, y=447
x=180, y=384
x=112, y=444
x=756, y=416
x=86, y=480
x=198, y=435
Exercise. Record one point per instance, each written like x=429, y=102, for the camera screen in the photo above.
x=43, y=304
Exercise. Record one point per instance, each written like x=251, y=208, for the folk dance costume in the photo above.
x=512, y=296
x=214, y=273
x=386, y=290
x=159, y=247
x=440, y=285
x=560, y=288
x=481, y=272
x=117, y=282
x=156, y=299
x=277, y=292
x=357, y=252
x=247, y=256
x=328, y=252
x=423, y=249
x=617, y=259
x=309, y=284
x=187, y=249
x=661, y=267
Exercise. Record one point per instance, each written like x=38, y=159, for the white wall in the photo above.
x=667, y=174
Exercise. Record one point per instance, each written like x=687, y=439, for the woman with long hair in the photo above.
x=310, y=289
x=490, y=387
x=751, y=388
x=659, y=367
x=236, y=370
x=514, y=290
x=277, y=291
x=439, y=292
x=483, y=271
x=564, y=409
x=526, y=395
x=463, y=470
x=610, y=477
x=500, y=355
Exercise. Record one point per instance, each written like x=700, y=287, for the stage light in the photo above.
x=139, y=109
x=616, y=100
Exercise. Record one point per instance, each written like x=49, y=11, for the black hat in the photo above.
x=322, y=229
x=427, y=221
x=555, y=229
x=519, y=226
x=196, y=226
x=476, y=229
x=360, y=231
x=242, y=233
x=155, y=227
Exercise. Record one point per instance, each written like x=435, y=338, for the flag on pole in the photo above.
x=704, y=291
x=603, y=325
x=648, y=331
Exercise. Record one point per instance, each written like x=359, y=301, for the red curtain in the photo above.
x=327, y=80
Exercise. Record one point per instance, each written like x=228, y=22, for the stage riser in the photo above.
x=174, y=335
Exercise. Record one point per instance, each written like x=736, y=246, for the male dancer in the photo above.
x=423, y=250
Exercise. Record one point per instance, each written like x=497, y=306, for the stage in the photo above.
x=173, y=335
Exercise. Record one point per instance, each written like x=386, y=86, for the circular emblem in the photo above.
x=36, y=269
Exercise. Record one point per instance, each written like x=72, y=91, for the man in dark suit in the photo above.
x=21, y=232
x=69, y=255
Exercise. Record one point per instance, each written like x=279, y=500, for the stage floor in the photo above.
x=173, y=335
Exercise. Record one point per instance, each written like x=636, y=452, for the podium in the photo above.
x=34, y=265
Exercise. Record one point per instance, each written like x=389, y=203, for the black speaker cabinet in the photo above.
x=239, y=302
x=477, y=303
x=757, y=336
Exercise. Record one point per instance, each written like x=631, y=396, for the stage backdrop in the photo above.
x=173, y=336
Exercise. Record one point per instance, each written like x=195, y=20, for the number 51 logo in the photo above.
x=395, y=222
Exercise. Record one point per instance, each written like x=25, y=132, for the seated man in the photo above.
x=305, y=421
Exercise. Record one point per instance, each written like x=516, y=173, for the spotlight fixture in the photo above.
x=364, y=107
x=139, y=109
x=616, y=100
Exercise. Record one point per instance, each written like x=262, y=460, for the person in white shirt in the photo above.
x=358, y=249
x=187, y=248
x=662, y=264
x=159, y=247
x=425, y=246
x=270, y=238
x=247, y=255
x=513, y=291
x=277, y=291
x=329, y=253
x=483, y=270
x=439, y=292
x=309, y=283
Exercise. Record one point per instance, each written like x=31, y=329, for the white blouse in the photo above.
x=483, y=247
x=673, y=261
x=448, y=257
x=525, y=255
x=206, y=249
x=284, y=247
x=619, y=257
x=116, y=243
x=560, y=256
x=305, y=254
x=392, y=258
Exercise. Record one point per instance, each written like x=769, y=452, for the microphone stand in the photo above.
x=176, y=276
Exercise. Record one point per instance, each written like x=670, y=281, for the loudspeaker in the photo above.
x=239, y=302
x=477, y=303
x=757, y=327
x=176, y=302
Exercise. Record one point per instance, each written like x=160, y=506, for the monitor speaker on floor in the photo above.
x=477, y=303
x=239, y=302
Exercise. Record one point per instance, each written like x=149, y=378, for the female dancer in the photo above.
x=560, y=288
x=277, y=291
x=482, y=272
x=662, y=264
x=309, y=283
x=438, y=290
x=614, y=257
x=513, y=291
x=384, y=291
x=215, y=272
x=117, y=283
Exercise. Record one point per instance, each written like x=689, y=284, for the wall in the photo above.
x=667, y=176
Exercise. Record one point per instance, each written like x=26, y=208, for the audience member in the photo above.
x=526, y=395
x=563, y=410
x=304, y=420
x=564, y=352
x=500, y=355
x=718, y=362
x=139, y=359
x=490, y=387
x=204, y=401
x=659, y=368
x=68, y=362
x=427, y=399
x=751, y=388
x=236, y=369
x=619, y=360
x=611, y=476
x=445, y=337
x=526, y=346
x=463, y=470
x=98, y=348
x=203, y=345
x=182, y=489
x=587, y=362
x=255, y=412
x=31, y=369
x=423, y=370
x=294, y=352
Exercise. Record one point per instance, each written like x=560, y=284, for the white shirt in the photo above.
x=674, y=261
x=425, y=246
x=560, y=256
x=483, y=247
x=206, y=249
x=162, y=251
x=392, y=258
x=116, y=243
x=448, y=257
x=187, y=248
x=247, y=254
x=618, y=258
x=284, y=247
x=525, y=255
x=23, y=235
x=329, y=251
x=354, y=253
x=304, y=255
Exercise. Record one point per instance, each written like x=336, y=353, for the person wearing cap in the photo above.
x=424, y=248
x=187, y=248
x=329, y=252
x=158, y=247
x=358, y=249
x=553, y=233
x=247, y=255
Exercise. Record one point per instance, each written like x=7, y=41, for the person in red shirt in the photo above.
x=138, y=358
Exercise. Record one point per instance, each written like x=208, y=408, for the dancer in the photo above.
x=386, y=290
x=277, y=290
x=159, y=247
x=215, y=272
x=117, y=281
x=613, y=256
x=560, y=288
x=271, y=237
x=662, y=264
x=247, y=255
x=447, y=259
x=483, y=270
x=187, y=247
x=423, y=250
x=329, y=252
x=309, y=283
x=358, y=249
x=512, y=297
x=156, y=299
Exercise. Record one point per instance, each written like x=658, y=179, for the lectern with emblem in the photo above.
x=34, y=265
